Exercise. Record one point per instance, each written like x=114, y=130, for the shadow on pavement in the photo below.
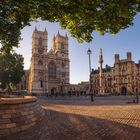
x=67, y=126
x=86, y=101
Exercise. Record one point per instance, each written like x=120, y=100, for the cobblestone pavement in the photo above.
x=81, y=120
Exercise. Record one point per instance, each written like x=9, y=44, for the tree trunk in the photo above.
x=9, y=88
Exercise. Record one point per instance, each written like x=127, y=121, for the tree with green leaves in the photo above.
x=80, y=17
x=11, y=70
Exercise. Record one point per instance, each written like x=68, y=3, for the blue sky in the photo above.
x=126, y=40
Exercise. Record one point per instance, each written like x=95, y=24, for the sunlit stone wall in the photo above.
x=18, y=114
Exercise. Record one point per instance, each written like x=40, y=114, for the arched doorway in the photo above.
x=124, y=91
x=53, y=91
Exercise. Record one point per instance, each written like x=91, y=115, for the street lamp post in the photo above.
x=89, y=53
x=62, y=88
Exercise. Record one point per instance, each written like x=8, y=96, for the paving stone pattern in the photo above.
x=79, y=120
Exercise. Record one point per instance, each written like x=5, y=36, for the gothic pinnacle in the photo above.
x=35, y=28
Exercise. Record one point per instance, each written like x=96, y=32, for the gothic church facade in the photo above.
x=49, y=70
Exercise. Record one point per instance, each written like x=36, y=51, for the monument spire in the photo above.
x=101, y=91
x=53, y=44
x=45, y=31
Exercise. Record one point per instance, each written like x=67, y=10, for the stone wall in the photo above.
x=18, y=114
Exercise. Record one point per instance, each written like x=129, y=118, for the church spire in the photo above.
x=35, y=28
x=54, y=38
x=58, y=34
x=66, y=35
x=53, y=43
x=45, y=31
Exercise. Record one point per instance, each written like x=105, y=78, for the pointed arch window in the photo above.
x=52, y=70
x=63, y=65
x=40, y=63
x=40, y=41
x=41, y=83
x=40, y=73
x=62, y=45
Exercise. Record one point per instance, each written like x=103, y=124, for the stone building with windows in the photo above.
x=79, y=89
x=126, y=75
x=121, y=79
x=107, y=80
x=49, y=70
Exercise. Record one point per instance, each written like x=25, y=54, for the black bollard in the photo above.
x=92, y=98
x=137, y=98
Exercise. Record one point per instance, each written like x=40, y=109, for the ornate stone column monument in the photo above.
x=101, y=89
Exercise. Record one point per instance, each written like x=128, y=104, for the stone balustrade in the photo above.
x=18, y=114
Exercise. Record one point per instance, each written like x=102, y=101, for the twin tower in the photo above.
x=49, y=70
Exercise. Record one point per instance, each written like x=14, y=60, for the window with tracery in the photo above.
x=41, y=83
x=40, y=41
x=63, y=64
x=40, y=50
x=62, y=45
x=52, y=70
x=40, y=73
x=40, y=62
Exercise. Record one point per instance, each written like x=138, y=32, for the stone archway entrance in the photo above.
x=123, y=91
x=53, y=91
